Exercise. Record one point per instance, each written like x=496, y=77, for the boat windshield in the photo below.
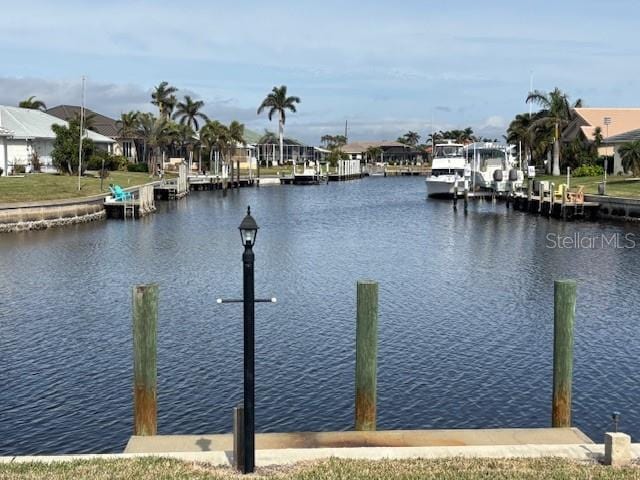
x=448, y=151
x=487, y=158
x=487, y=155
x=447, y=171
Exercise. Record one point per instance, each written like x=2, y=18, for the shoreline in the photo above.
x=41, y=215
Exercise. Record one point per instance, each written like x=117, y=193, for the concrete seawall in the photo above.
x=616, y=207
x=20, y=217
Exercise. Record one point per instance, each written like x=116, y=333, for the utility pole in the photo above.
x=81, y=135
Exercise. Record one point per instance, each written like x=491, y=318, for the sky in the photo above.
x=385, y=67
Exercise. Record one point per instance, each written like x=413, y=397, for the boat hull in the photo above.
x=440, y=188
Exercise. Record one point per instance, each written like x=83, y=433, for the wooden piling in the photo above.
x=366, y=354
x=455, y=197
x=466, y=200
x=563, y=320
x=238, y=437
x=145, y=320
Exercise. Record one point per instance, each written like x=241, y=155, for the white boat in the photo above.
x=447, y=170
x=493, y=167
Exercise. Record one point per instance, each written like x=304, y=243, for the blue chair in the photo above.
x=119, y=194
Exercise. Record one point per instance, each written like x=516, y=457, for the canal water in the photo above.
x=466, y=313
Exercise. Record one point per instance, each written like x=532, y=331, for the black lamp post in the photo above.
x=248, y=232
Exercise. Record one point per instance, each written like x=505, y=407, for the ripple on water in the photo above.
x=464, y=334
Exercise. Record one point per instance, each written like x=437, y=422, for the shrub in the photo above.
x=138, y=167
x=35, y=162
x=17, y=169
x=65, y=147
x=111, y=162
x=588, y=171
x=118, y=162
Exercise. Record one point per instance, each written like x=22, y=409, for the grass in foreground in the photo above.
x=445, y=469
x=616, y=186
x=46, y=186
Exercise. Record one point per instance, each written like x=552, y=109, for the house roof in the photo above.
x=621, y=120
x=29, y=123
x=360, y=147
x=629, y=136
x=99, y=123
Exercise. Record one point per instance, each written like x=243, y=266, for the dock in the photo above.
x=142, y=203
x=548, y=206
x=346, y=170
x=215, y=182
x=337, y=177
x=407, y=170
x=346, y=439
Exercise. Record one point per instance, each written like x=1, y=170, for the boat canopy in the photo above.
x=449, y=151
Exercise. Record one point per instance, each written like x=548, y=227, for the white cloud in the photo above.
x=493, y=122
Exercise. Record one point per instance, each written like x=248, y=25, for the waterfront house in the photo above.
x=25, y=131
x=614, y=142
x=612, y=122
x=391, y=152
x=124, y=146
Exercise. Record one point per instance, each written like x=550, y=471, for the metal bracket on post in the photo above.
x=239, y=300
x=244, y=417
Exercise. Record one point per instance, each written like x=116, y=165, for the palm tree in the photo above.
x=182, y=135
x=412, y=138
x=520, y=131
x=597, y=139
x=157, y=134
x=210, y=136
x=278, y=102
x=373, y=153
x=327, y=140
x=128, y=124
x=33, y=104
x=236, y=137
x=630, y=155
x=163, y=97
x=189, y=111
x=556, y=112
x=333, y=141
x=467, y=135
x=543, y=141
x=129, y=127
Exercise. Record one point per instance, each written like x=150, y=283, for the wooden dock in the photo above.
x=337, y=177
x=303, y=179
x=407, y=170
x=557, y=208
x=142, y=203
x=215, y=182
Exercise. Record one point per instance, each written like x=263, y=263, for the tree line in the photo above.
x=179, y=128
x=540, y=135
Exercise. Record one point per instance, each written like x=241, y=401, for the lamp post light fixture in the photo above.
x=248, y=232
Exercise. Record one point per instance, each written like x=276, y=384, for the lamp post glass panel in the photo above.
x=248, y=231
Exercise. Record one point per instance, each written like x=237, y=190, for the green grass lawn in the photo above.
x=446, y=469
x=616, y=186
x=44, y=186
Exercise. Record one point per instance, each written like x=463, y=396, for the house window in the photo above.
x=127, y=149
